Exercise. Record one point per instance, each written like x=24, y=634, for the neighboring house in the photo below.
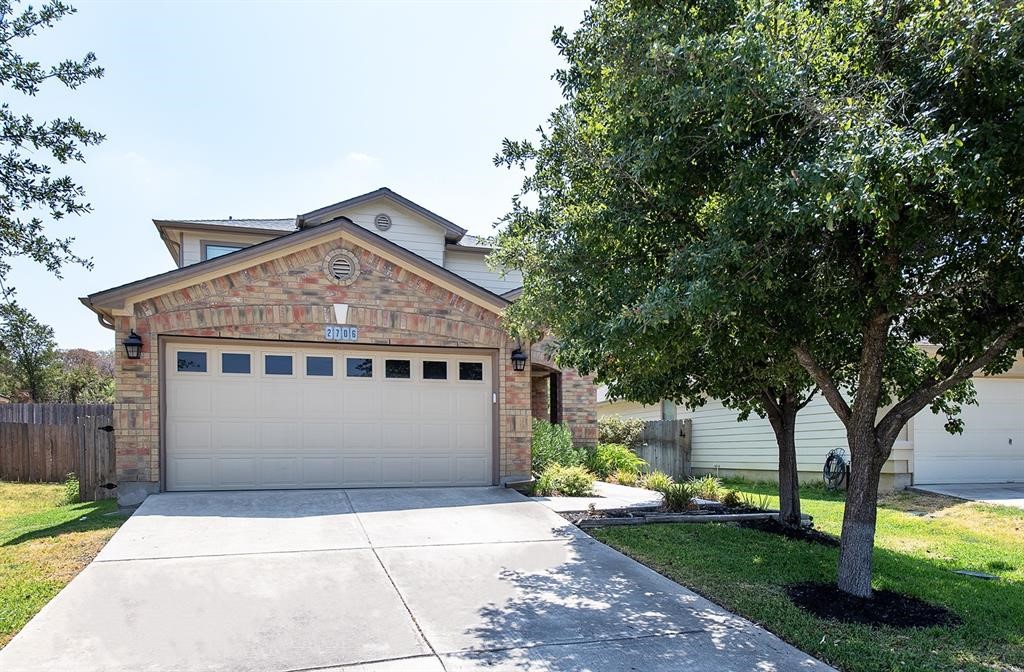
x=990, y=450
x=357, y=345
x=4, y=400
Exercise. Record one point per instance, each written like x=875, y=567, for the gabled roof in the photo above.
x=107, y=301
x=453, y=232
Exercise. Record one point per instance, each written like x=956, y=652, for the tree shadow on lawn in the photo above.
x=748, y=571
x=99, y=515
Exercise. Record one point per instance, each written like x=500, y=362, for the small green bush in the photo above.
x=607, y=458
x=614, y=429
x=626, y=477
x=658, y=481
x=70, y=492
x=558, y=480
x=732, y=499
x=552, y=444
x=707, y=487
x=678, y=497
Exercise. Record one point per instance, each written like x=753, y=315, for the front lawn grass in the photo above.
x=921, y=539
x=43, y=546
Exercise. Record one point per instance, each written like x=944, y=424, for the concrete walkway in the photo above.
x=1003, y=494
x=377, y=580
x=608, y=496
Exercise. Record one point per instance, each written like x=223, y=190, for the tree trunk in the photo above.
x=857, y=544
x=782, y=416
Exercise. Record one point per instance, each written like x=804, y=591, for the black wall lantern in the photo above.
x=133, y=345
x=518, y=360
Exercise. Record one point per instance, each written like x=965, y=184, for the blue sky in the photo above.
x=270, y=109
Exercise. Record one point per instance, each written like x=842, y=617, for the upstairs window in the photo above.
x=213, y=250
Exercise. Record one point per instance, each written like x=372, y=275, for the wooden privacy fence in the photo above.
x=46, y=442
x=665, y=446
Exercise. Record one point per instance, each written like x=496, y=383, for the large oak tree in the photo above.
x=840, y=182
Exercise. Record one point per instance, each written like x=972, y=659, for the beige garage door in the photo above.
x=991, y=448
x=242, y=417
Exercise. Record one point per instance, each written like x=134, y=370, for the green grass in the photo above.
x=746, y=571
x=43, y=546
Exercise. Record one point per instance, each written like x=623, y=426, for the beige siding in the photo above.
x=473, y=267
x=409, y=230
x=191, y=248
x=720, y=442
x=628, y=409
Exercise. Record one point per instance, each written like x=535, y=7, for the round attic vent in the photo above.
x=382, y=222
x=342, y=266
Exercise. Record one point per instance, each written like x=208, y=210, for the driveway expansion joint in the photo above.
x=391, y=580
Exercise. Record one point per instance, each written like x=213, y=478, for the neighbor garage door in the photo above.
x=991, y=449
x=240, y=417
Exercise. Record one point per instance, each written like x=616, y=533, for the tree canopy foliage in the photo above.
x=28, y=189
x=787, y=195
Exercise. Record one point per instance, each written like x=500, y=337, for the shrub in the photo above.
x=678, y=497
x=732, y=499
x=70, y=492
x=565, y=481
x=552, y=444
x=626, y=477
x=657, y=481
x=707, y=487
x=613, y=429
x=607, y=458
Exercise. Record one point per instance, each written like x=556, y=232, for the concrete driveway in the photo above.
x=1003, y=494
x=420, y=579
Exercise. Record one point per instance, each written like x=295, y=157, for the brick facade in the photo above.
x=579, y=398
x=290, y=299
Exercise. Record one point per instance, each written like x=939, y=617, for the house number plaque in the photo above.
x=341, y=332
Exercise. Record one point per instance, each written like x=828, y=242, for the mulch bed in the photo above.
x=808, y=534
x=885, y=607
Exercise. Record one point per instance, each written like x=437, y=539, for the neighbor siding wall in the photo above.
x=473, y=267
x=291, y=298
x=720, y=442
x=629, y=409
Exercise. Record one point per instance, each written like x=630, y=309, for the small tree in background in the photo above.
x=85, y=377
x=31, y=355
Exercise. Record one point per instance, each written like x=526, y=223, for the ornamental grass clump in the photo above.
x=607, y=458
x=558, y=480
x=707, y=487
x=678, y=497
x=625, y=477
x=658, y=481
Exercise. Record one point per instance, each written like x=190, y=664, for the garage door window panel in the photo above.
x=191, y=361
x=358, y=367
x=435, y=370
x=278, y=365
x=471, y=371
x=235, y=363
x=319, y=366
x=397, y=369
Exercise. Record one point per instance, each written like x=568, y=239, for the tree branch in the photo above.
x=890, y=425
x=824, y=381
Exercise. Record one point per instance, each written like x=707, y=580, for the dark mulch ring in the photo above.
x=808, y=534
x=885, y=607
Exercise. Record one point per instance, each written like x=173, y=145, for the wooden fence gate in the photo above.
x=665, y=445
x=46, y=442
